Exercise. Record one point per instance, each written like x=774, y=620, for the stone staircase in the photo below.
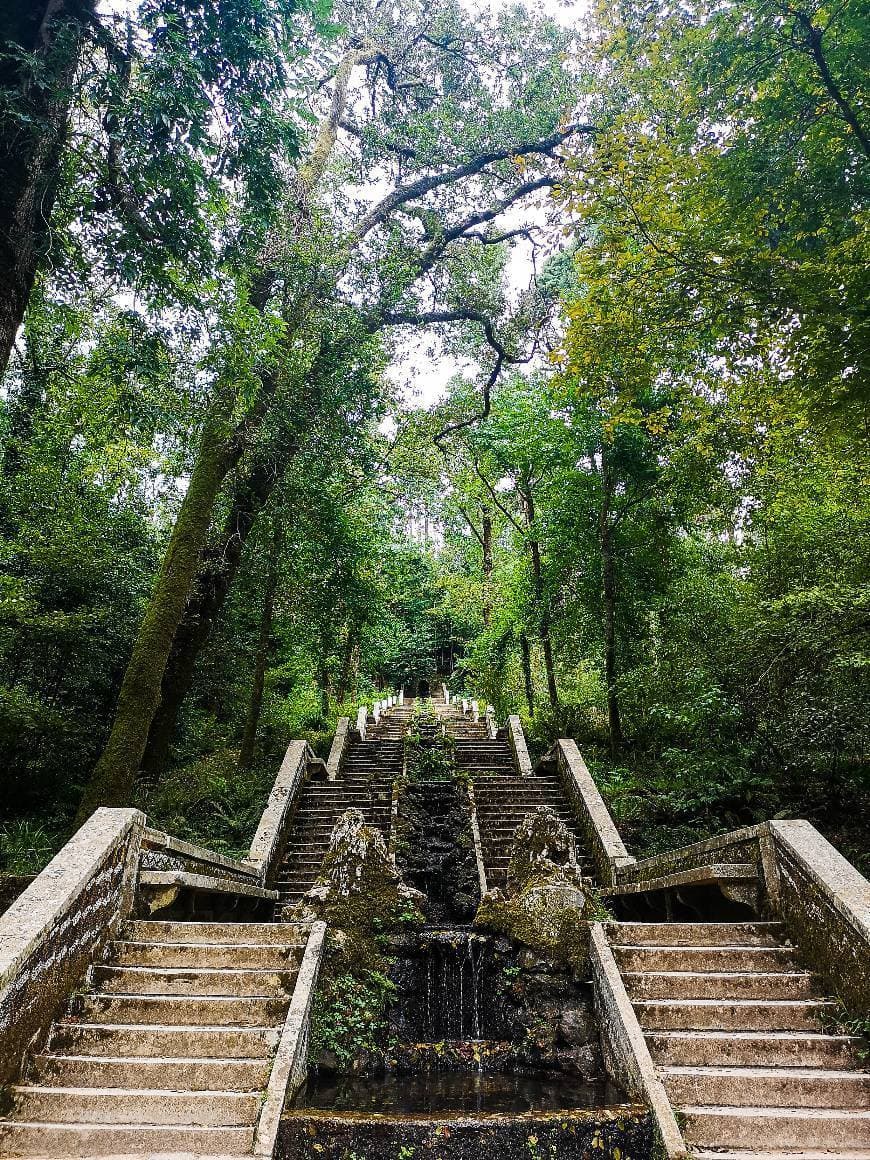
x=738, y=1031
x=503, y=800
x=366, y=784
x=168, y=1049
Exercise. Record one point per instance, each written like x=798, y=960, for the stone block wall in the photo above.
x=50, y=934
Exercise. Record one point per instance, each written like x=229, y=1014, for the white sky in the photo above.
x=421, y=369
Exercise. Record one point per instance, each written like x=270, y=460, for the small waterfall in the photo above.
x=454, y=985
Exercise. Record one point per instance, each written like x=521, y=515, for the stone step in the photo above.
x=163, y=1041
x=695, y=934
x=222, y=933
x=190, y=955
x=178, y=1073
x=201, y=981
x=259, y=1011
x=780, y=1128
x=733, y=1014
x=791, y=1154
x=774, y=1086
x=80, y=1105
x=716, y=959
x=720, y=984
x=748, y=1048
x=75, y=1140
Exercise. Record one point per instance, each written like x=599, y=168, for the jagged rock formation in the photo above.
x=544, y=903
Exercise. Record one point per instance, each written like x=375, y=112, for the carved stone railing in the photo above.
x=517, y=740
x=50, y=934
x=825, y=902
x=268, y=844
x=626, y=1055
x=740, y=846
x=338, y=750
x=160, y=851
x=602, y=837
x=290, y=1062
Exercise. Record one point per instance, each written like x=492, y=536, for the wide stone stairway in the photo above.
x=366, y=783
x=742, y=1037
x=168, y=1048
x=503, y=799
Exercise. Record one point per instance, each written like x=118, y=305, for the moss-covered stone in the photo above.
x=545, y=904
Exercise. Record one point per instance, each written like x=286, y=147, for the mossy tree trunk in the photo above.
x=608, y=585
x=115, y=773
x=255, y=705
x=541, y=599
x=526, y=654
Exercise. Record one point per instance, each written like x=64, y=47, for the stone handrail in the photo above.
x=160, y=851
x=266, y=846
x=290, y=1062
x=518, y=744
x=626, y=1054
x=339, y=746
x=825, y=903
x=740, y=846
x=49, y=935
x=602, y=837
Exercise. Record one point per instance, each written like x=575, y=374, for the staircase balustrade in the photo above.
x=50, y=934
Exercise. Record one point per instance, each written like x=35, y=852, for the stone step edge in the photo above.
x=784, y=1071
x=775, y=1113
x=791, y=1154
x=169, y=1028
x=754, y=1036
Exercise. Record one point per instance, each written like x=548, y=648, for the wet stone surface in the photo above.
x=442, y=1094
x=609, y=1134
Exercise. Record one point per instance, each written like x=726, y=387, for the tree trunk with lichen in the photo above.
x=526, y=654
x=255, y=705
x=115, y=773
x=608, y=586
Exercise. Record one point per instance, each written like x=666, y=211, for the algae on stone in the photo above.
x=545, y=903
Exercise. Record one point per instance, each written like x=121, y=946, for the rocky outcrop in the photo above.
x=358, y=888
x=545, y=904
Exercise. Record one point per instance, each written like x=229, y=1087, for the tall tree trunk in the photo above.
x=541, y=600
x=252, y=720
x=115, y=772
x=526, y=653
x=218, y=567
x=486, y=544
x=608, y=585
x=40, y=42
x=341, y=690
x=323, y=684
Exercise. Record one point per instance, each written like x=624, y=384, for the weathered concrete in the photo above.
x=623, y=1132
x=602, y=837
x=291, y=1058
x=266, y=846
x=518, y=746
x=825, y=903
x=625, y=1051
x=49, y=935
x=337, y=750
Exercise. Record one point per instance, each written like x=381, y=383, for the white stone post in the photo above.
x=362, y=717
x=465, y=705
x=475, y=709
x=491, y=723
x=402, y=695
x=376, y=712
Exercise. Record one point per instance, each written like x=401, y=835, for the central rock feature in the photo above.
x=545, y=903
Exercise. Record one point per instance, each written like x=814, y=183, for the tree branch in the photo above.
x=475, y=165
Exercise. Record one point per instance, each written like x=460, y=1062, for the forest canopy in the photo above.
x=346, y=344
